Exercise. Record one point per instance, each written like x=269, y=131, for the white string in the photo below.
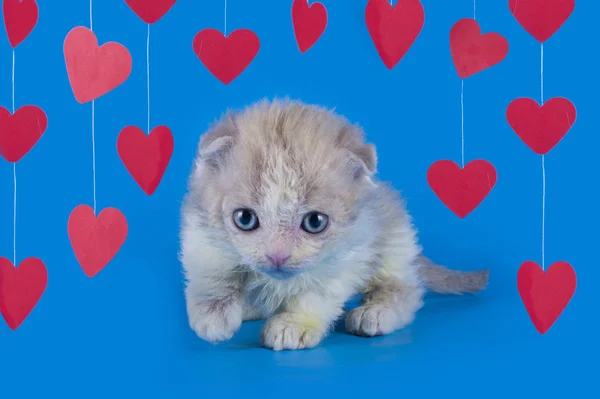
x=93, y=157
x=14, y=172
x=543, y=164
x=462, y=110
x=148, y=74
x=474, y=8
x=543, y=213
x=462, y=121
x=15, y=214
x=225, y=18
x=93, y=135
x=542, y=73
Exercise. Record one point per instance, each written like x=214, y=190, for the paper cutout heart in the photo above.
x=541, y=18
x=94, y=71
x=461, y=190
x=394, y=29
x=96, y=241
x=309, y=23
x=546, y=295
x=20, y=17
x=541, y=127
x=226, y=57
x=145, y=157
x=150, y=11
x=21, y=131
x=20, y=289
x=473, y=52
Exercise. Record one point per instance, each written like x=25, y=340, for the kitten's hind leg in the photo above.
x=387, y=305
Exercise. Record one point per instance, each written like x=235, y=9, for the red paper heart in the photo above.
x=21, y=131
x=20, y=289
x=461, y=190
x=94, y=71
x=150, y=11
x=20, y=17
x=145, y=157
x=541, y=18
x=226, y=57
x=309, y=23
x=96, y=241
x=546, y=295
x=541, y=127
x=394, y=29
x=473, y=52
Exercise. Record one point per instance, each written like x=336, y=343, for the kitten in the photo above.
x=285, y=221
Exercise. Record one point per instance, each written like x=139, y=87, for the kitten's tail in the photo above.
x=446, y=281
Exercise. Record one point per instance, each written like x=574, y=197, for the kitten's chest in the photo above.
x=270, y=295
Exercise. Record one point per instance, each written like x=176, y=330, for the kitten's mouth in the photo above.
x=279, y=273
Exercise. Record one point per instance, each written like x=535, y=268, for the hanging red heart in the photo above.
x=150, y=11
x=473, y=52
x=21, y=131
x=20, y=289
x=541, y=127
x=545, y=295
x=94, y=71
x=96, y=241
x=309, y=23
x=20, y=17
x=541, y=18
x=145, y=157
x=226, y=57
x=394, y=29
x=461, y=190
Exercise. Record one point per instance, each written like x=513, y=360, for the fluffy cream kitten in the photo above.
x=285, y=221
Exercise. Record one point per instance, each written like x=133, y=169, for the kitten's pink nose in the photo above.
x=278, y=258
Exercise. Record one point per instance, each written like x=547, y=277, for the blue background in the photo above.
x=125, y=331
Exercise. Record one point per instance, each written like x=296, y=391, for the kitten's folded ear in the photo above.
x=216, y=143
x=363, y=156
x=364, y=160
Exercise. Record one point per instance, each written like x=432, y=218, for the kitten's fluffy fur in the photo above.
x=283, y=159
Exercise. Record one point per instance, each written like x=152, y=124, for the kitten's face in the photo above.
x=287, y=194
x=281, y=229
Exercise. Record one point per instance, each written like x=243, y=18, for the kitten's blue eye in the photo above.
x=315, y=222
x=245, y=219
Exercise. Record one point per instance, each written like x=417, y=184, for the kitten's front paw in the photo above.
x=372, y=320
x=292, y=331
x=216, y=321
